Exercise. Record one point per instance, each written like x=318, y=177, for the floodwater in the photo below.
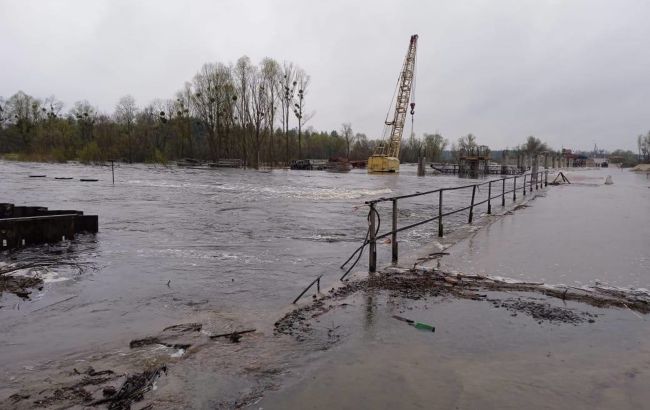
x=232, y=248
x=174, y=242
x=484, y=356
x=584, y=233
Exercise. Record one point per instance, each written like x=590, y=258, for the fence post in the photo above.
x=514, y=190
x=440, y=215
x=394, y=235
x=503, y=192
x=546, y=178
x=524, y=184
x=372, y=255
x=489, y=197
x=471, y=206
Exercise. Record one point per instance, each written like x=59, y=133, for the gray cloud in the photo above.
x=572, y=72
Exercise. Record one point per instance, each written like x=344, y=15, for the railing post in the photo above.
x=372, y=255
x=524, y=184
x=546, y=178
x=514, y=190
x=440, y=215
x=471, y=206
x=394, y=235
x=489, y=197
x=503, y=192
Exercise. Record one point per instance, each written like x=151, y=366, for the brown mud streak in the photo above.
x=421, y=283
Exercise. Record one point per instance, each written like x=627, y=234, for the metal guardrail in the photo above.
x=540, y=180
x=316, y=281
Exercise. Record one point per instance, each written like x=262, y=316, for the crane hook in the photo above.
x=412, y=108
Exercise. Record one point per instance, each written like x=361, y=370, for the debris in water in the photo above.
x=234, y=337
x=133, y=389
x=417, y=325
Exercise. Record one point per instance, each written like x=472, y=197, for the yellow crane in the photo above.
x=386, y=155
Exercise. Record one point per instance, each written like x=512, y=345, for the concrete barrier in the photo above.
x=31, y=225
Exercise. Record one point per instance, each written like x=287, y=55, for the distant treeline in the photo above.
x=253, y=112
x=256, y=113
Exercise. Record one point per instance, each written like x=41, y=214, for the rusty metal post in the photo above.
x=471, y=206
x=394, y=235
x=440, y=215
x=503, y=192
x=489, y=197
x=372, y=255
x=514, y=190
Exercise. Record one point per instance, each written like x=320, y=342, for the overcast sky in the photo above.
x=571, y=72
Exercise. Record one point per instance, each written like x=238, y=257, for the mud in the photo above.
x=20, y=286
x=416, y=284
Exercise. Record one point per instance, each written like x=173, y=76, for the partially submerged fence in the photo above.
x=532, y=180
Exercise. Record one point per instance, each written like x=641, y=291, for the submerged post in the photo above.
x=471, y=206
x=489, y=197
x=372, y=255
x=113, y=170
x=440, y=215
x=514, y=190
x=394, y=235
x=546, y=178
x=503, y=192
x=524, y=184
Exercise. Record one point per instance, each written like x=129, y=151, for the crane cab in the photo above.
x=382, y=163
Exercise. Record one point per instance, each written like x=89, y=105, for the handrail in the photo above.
x=538, y=179
x=374, y=201
x=317, y=281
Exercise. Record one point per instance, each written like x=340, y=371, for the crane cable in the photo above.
x=415, y=71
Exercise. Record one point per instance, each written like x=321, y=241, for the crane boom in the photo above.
x=386, y=155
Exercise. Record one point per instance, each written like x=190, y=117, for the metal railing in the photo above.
x=316, y=281
x=538, y=180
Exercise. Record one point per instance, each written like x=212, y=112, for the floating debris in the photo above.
x=417, y=325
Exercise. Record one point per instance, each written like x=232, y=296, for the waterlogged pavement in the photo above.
x=488, y=355
x=582, y=233
x=480, y=356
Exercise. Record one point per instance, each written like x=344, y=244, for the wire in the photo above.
x=362, y=247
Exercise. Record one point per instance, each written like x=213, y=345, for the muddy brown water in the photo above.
x=238, y=244
x=235, y=246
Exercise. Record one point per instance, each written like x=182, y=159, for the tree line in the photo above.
x=257, y=113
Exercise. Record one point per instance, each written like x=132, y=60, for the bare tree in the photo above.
x=205, y=105
x=434, y=145
x=271, y=75
x=348, y=136
x=257, y=109
x=242, y=76
x=288, y=86
x=302, y=80
x=125, y=114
